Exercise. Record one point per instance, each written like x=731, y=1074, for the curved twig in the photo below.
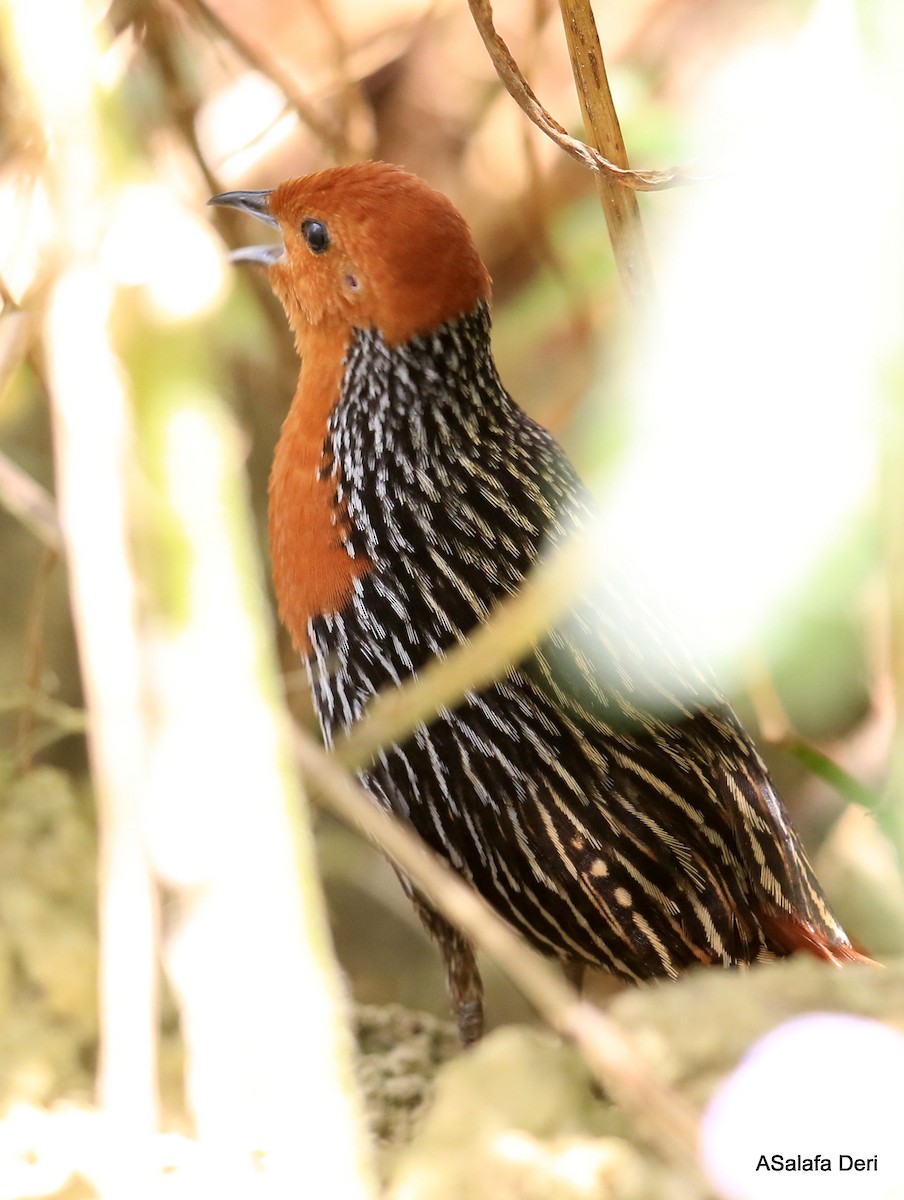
x=520, y=90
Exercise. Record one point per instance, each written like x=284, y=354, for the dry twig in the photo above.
x=620, y=204
x=521, y=91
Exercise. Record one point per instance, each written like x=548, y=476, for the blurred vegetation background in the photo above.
x=202, y=96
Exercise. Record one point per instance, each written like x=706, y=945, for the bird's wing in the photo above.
x=618, y=668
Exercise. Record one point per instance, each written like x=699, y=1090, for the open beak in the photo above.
x=257, y=204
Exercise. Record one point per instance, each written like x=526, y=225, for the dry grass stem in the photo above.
x=620, y=204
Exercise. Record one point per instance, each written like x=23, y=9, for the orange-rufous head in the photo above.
x=365, y=246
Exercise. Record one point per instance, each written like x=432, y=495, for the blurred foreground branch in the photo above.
x=514, y=625
x=92, y=444
x=247, y=948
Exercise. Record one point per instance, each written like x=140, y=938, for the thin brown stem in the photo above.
x=520, y=90
x=620, y=204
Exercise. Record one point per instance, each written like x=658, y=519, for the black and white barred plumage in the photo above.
x=639, y=837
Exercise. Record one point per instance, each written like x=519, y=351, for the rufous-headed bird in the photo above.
x=408, y=495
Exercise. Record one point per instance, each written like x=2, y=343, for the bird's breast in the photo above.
x=313, y=560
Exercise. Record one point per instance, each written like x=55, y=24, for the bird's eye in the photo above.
x=316, y=234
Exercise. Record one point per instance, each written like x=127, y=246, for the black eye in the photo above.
x=316, y=234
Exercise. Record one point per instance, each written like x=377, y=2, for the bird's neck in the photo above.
x=368, y=418
x=391, y=387
x=314, y=570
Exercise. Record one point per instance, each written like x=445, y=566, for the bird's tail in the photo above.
x=793, y=912
x=790, y=932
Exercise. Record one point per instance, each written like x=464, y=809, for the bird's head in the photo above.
x=365, y=246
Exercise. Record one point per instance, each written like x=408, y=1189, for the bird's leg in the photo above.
x=465, y=986
x=574, y=972
x=462, y=973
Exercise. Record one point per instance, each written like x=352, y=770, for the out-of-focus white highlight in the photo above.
x=155, y=243
x=755, y=436
x=582, y=1166
x=244, y=122
x=58, y=46
x=826, y=1084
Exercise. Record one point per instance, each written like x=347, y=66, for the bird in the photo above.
x=409, y=495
